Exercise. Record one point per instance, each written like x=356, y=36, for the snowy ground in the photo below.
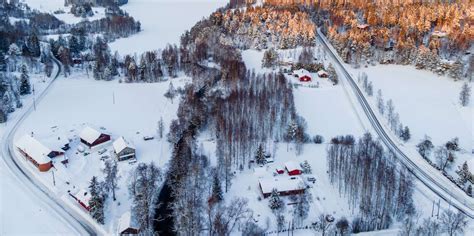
x=50, y=6
x=428, y=104
x=79, y=101
x=18, y=204
x=329, y=111
x=163, y=22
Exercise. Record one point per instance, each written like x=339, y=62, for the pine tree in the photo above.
x=25, y=87
x=34, y=46
x=96, y=202
x=405, y=134
x=217, y=194
x=465, y=94
x=306, y=167
x=425, y=147
x=111, y=177
x=161, y=128
x=275, y=203
x=270, y=58
x=171, y=93
x=380, y=102
x=469, y=190
x=260, y=155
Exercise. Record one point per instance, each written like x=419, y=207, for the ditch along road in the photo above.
x=78, y=222
x=430, y=177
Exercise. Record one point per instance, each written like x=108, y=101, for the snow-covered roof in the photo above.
x=89, y=134
x=281, y=184
x=125, y=222
x=362, y=26
x=440, y=34
x=34, y=149
x=322, y=73
x=120, y=144
x=83, y=196
x=291, y=165
x=301, y=73
x=260, y=171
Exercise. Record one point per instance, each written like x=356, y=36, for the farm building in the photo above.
x=292, y=168
x=82, y=198
x=92, y=137
x=323, y=74
x=123, y=150
x=37, y=153
x=126, y=226
x=284, y=185
x=303, y=75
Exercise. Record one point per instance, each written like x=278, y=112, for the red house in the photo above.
x=292, y=168
x=284, y=186
x=37, y=153
x=91, y=137
x=305, y=78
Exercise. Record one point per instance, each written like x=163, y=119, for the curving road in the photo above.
x=430, y=177
x=77, y=221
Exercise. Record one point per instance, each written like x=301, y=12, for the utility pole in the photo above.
x=54, y=180
x=34, y=98
x=113, y=98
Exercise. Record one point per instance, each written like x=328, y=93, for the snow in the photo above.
x=125, y=222
x=51, y=6
x=281, y=184
x=34, y=149
x=90, y=135
x=120, y=144
x=291, y=166
x=162, y=22
x=19, y=205
x=128, y=110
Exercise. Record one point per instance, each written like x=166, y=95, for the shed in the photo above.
x=363, y=26
x=92, y=137
x=323, y=74
x=284, y=185
x=126, y=225
x=123, y=150
x=82, y=197
x=292, y=168
x=36, y=152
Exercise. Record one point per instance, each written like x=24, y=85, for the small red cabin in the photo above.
x=292, y=168
x=305, y=78
x=92, y=137
x=280, y=171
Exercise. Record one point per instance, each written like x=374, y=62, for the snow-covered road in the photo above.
x=432, y=179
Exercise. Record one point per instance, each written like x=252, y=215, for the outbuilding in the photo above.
x=36, y=152
x=123, y=150
x=92, y=138
x=126, y=225
x=323, y=74
x=82, y=198
x=292, y=168
x=284, y=186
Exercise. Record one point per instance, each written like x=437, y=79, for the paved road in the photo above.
x=78, y=222
x=430, y=177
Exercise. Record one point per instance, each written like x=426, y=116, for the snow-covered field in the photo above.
x=129, y=110
x=50, y=6
x=18, y=204
x=163, y=22
x=428, y=104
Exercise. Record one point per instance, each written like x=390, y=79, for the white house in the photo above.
x=123, y=150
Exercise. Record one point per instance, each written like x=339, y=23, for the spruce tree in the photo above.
x=260, y=155
x=25, y=87
x=465, y=95
x=96, y=202
x=275, y=202
x=217, y=194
